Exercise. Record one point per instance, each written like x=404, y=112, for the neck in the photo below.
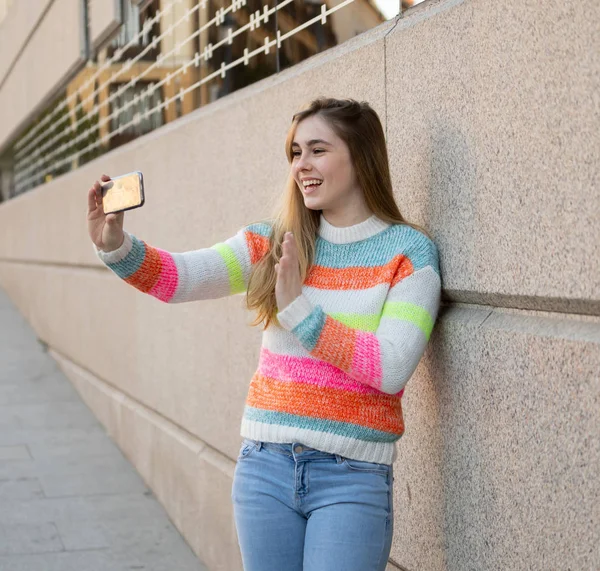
x=347, y=217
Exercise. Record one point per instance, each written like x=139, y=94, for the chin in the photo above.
x=312, y=204
x=312, y=207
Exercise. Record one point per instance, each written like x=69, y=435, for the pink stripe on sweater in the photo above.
x=366, y=359
x=309, y=371
x=165, y=287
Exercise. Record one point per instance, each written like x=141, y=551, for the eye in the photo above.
x=319, y=150
x=295, y=153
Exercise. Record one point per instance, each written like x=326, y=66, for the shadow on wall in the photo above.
x=451, y=211
x=451, y=214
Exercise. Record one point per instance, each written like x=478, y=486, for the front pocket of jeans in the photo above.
x=246, y=449
x=361, y=466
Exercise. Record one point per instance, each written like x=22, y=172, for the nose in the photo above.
x=302, y=164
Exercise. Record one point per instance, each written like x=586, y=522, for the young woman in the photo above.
x=348, y=292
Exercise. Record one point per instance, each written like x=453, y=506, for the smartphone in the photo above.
x=123, y=192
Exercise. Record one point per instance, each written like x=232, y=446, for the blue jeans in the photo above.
x=300, y=509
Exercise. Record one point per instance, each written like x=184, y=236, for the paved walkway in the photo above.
x=69, y=500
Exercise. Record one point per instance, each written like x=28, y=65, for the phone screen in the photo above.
x=122, y=193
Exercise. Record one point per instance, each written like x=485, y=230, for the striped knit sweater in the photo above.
x=332, y=374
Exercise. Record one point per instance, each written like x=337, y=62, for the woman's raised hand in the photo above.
x=289, y=283
x=106, y=230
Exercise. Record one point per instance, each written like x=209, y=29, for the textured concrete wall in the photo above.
x=491, y=122
x=49, y=57
x=15, y=29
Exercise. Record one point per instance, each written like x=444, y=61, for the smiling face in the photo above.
x=322, y=159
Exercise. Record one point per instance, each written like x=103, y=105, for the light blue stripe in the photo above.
x=319, y=424
x=132, y=261
x=309, y=330
x=379, y=250
x=262, y=228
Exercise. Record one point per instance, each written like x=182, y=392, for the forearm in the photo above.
x=381, y=353
x=144, y=267
x=355, y=352
x=207, y=273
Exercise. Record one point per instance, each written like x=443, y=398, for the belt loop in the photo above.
x=338, y=459
x=259, y=446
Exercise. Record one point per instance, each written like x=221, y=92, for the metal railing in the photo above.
x=184, y=55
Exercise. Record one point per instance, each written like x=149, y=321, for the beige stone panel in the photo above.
x=361, y=17
x=15, y=28
x=4, y=8
x=104, y=19
x=494, y=146
x=48, y=60
x=192, y=363
x=192, y=481
x=207, y=174
x=498, y=467
x=75, y=312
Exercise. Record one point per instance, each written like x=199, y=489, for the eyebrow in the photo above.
x=312, y=142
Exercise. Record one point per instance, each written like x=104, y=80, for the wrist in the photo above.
x=295, y=312
x=112, y=246
x=114, y=256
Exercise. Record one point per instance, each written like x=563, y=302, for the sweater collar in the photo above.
x=354, y=233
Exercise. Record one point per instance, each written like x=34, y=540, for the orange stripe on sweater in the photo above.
x=149, y=272
x=336, y=344
x=322, y=277
x=380, y=412
x=258, y=246
x=404, y=269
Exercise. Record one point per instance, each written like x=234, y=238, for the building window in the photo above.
x=135, y=110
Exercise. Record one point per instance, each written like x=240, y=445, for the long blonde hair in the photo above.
x=358, y=125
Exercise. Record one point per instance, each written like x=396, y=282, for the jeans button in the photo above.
x=298, y=449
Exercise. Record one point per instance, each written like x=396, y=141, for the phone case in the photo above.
x=123, y=192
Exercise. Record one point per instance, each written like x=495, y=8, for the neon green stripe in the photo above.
x=409, y=312
x=356, y=321
x=234, y=269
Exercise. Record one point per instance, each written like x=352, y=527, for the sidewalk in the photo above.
x=69, y=500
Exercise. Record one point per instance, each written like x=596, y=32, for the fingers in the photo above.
x=92, y=204
x=98, y=190
x=289, y=282
x=288, y=242
x=289, y=257
x=95, y=193
x=289, y=245
x=285, y=251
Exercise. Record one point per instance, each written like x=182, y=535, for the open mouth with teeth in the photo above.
x=311, y=185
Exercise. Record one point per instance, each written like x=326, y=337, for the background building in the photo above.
x=152, y=61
